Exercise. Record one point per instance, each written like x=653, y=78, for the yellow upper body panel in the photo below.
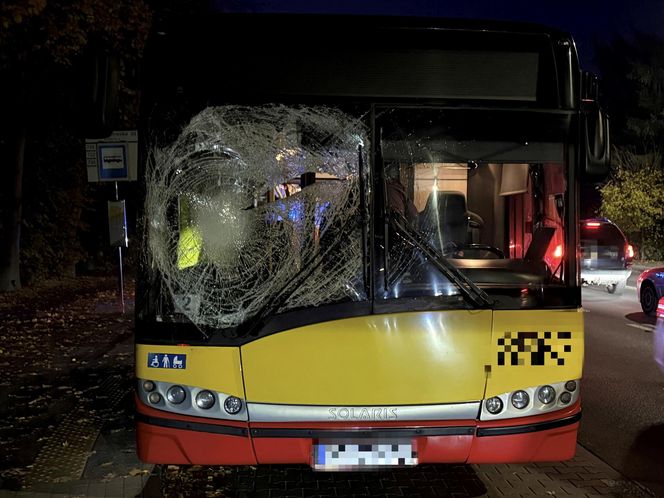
x=209, y=367
x=402, y=358
x=531, y=348
x=398, y=359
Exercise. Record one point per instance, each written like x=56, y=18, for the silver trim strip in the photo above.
x=265, y=412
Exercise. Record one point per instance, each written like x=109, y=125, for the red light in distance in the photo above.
x=630, y=251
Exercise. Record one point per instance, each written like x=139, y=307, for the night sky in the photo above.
x=585, y=20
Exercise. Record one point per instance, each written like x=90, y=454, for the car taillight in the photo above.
x=629, y=252
x=593, y=224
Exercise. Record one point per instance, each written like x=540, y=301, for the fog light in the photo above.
x=565, y=398
x=154, y=398
x=176, y=394
x=233, y=405
x=204, y=400
x=148, y=386
x=570, y=385
x=546, y=394
x=494, y=405
x=520, y=399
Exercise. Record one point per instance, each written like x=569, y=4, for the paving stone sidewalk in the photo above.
x=583, y=476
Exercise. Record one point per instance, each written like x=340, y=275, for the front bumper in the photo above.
x=605, y=277
x=168, y=439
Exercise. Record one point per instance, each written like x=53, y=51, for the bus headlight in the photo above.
x=520, y=399
x=546, y=394
x=565, y=398
x=154, y=398
x=148, y=386
x=494, y=405
x=176, y=394
x=233, y=405
x=570, y=385
x=205, y=400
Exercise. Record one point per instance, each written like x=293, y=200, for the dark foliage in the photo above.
x=633, y=87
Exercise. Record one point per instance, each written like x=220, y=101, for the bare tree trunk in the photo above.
x=10, y=224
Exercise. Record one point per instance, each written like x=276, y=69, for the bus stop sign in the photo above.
x=113, y=158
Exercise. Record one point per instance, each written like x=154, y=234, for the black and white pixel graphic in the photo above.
x=534, y=348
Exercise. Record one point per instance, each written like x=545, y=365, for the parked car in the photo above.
x=659, y=336
x=607, y=256
x=650, y=289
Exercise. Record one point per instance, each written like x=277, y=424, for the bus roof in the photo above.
x=349, y=21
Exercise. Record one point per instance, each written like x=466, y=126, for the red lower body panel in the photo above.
x=177, y=446
x=431, y=449
x=552, y=445
x=163, y=437
x=166, y=438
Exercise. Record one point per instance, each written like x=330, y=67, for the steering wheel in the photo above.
x=477, y=251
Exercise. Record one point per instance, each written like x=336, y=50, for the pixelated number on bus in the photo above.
x=534, y=348
x=187, y=304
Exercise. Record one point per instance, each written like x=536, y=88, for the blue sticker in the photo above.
x=165, y=360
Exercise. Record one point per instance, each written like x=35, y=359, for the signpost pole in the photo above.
x=114, y=159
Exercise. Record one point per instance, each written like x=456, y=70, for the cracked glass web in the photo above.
x=230, y=225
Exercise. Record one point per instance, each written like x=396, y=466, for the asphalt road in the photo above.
x=622, y=388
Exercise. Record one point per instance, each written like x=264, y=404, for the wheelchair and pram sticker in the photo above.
x=166, y=360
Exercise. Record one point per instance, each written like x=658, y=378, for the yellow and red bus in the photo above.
x=360, y=241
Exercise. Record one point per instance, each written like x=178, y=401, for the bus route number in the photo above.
x=187, y=304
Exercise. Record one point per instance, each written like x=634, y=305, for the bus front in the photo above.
x=362, y=254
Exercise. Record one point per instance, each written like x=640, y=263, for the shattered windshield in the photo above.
x=482, y=193
x=255, y=207
x=254, y=211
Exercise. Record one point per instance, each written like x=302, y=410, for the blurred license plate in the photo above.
x=351, y=455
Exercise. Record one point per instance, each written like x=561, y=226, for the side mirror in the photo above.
x=596, y=146
x=99, y=94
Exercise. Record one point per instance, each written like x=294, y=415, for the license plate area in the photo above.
x=363, y=454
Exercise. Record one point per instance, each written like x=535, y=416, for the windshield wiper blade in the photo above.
x=469, y=288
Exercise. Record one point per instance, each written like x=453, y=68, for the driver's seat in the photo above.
x=444, y=220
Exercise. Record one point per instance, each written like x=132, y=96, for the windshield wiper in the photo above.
x=469, y=288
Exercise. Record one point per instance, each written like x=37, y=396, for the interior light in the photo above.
x=558, y=253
